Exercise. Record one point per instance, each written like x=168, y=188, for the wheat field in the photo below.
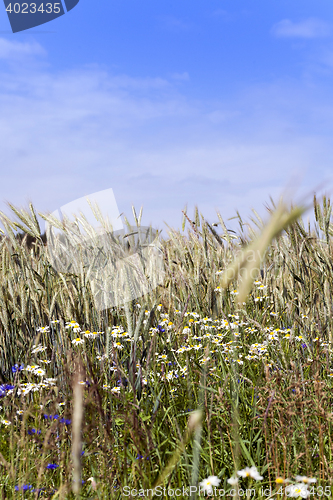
x=218, y=382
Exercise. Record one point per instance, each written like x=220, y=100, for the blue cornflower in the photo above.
x=52, y=466
x=55, y=417
x=138, y=457
x=65, y=421
x=17, y=368
x=33, y=431
x=122, y=381
x=304, y=346
x=24, y=487
x=4, y=388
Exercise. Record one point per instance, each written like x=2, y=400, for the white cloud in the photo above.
x=220, y=13
x=180, y=76
x=13, y=50
x=67, y=134
x=174, y=23
x=308, y=28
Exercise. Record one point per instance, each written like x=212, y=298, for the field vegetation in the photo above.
x=210, y=373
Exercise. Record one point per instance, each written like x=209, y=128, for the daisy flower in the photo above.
x=250, y=472
x=43, y=329
x=281, y=480
x=118, y=345
x=50, y=381
x=78, y=341
x=38, y=348
x=207, y=484
x=31, y=368
x=91, y=335
x=204, y=360
x=305, y=479
x=74, y=325
x=297, y=490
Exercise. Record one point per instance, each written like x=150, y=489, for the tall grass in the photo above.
x=258, y=370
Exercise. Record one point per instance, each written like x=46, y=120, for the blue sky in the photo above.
x=216, y=103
